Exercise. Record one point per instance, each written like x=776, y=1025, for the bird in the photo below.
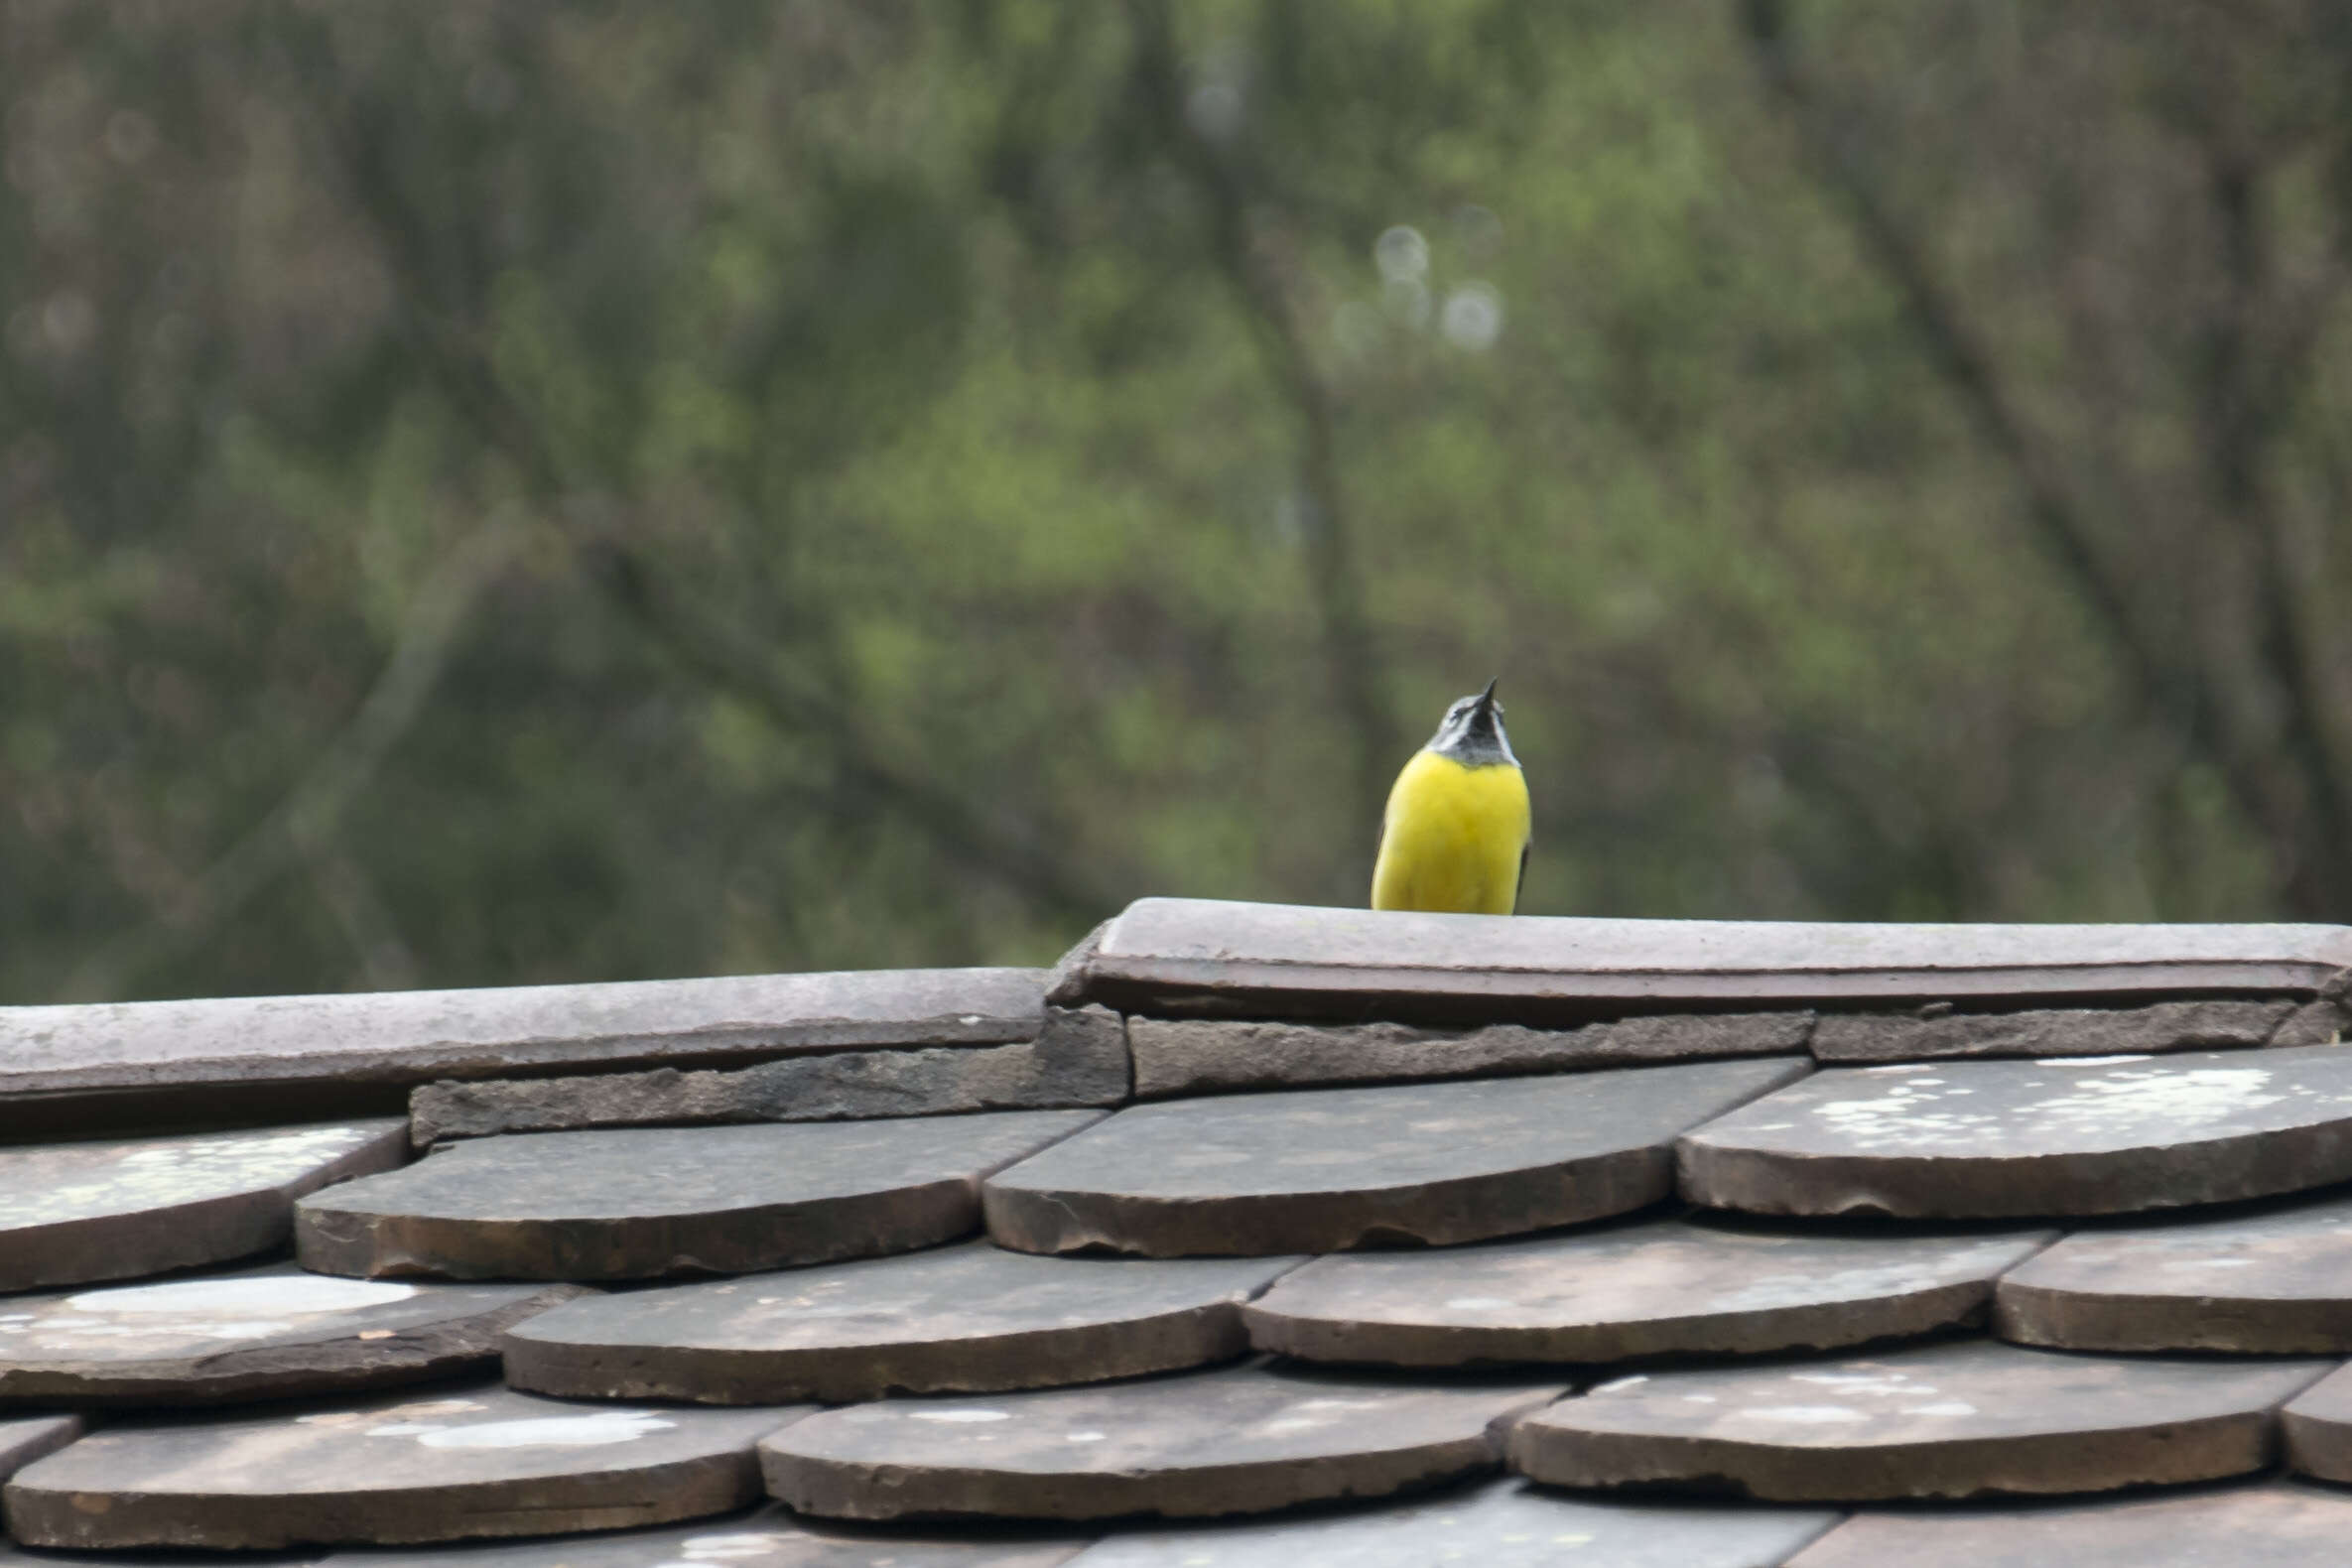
x=1456, y=833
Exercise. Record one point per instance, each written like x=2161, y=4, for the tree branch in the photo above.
x=311, y=811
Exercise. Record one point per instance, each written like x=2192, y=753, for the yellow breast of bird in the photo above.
x=1451, y=839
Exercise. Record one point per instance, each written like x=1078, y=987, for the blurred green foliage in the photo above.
x=495, y=493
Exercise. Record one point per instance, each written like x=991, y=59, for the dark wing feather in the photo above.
x=1520, y=885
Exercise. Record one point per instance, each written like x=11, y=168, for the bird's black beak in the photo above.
x=1484, y=714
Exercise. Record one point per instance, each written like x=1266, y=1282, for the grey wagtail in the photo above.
x=1456, y=833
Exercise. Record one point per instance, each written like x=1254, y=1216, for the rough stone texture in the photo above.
x=2322, y=1022
x=474, y=1462
x=2318, y=1429
x=1498, y=1525
x=1323, y=1171
x=769, y=1538
x=273, y=1331
x=2060, y=1135
x=1951, y=1420
x=2277, y=1282
x=2274, y=1525
x=1272, y=960
x=961, y=1319
x=1079, y=1058
x=637, y=1203
x=2050, y=1031
x=1244, y=1440
x=73, y=1212
x=1655, y=1288
x=248, y=1044
x=1192, y=1056
x=24, y=1439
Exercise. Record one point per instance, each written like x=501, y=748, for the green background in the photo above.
x=513, y=492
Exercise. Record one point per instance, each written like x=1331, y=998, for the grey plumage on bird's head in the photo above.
x=1472, y=731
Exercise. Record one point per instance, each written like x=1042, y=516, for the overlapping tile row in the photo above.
x=1443, y=1210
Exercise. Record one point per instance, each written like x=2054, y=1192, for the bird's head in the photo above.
x=1472, y=731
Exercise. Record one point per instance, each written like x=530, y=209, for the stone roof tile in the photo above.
x=1247, y=1439
x=115, y=1208
x=152, y=1052
x=1951, y=1420
x=450, y=1465
x=1659, y=1287
x=1320, y=1171
x=1408, y=1080
x=959, y=1319
x=2059, y=1135
x=1184, y=954
x=645, y=1203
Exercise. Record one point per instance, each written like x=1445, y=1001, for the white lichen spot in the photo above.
x=1806, y=1414
x=738, y=1543
x=277, y=1294
x=1943, y=1408
x=960, y=1417
x=1476, y=1304
x=89, y=1180
x=552, y=1431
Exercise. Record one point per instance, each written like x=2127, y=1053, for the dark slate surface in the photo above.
x=2318, y=1430
x=272, y=1332
x=1079, y=1058
x=1320, y=1171
x=959, y=1319
x=1247, y=1439
x=1270, y=961
x=2211, y=1024
x=1196, y=1056
x=410, y=1037
x=477, y=1460
x=1498, y=1525
x=2274, y=1525
x=768, y=1538
x=1659, y=1287
x=2278, y=1281
x=73, y=1212
x=1951, y=1420
x=2054, y=1137
x=641, y=1202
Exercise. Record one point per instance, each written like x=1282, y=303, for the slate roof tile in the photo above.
x=473, y=1460
x=643, y=1203
x=1247, y=1439
x=115, y=1209
x=2274, y=1279
x=1952, y=1420
x=154, y=1053
x=267, y=1332
x=771, y=1536
x=2269, y=1525
x=972, y=1318
x=1276, y=961
x=1502, y=1123
x=1323, y=1171
x=2058, y=1135
x=1657, y=1287
x=1503, y=1524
